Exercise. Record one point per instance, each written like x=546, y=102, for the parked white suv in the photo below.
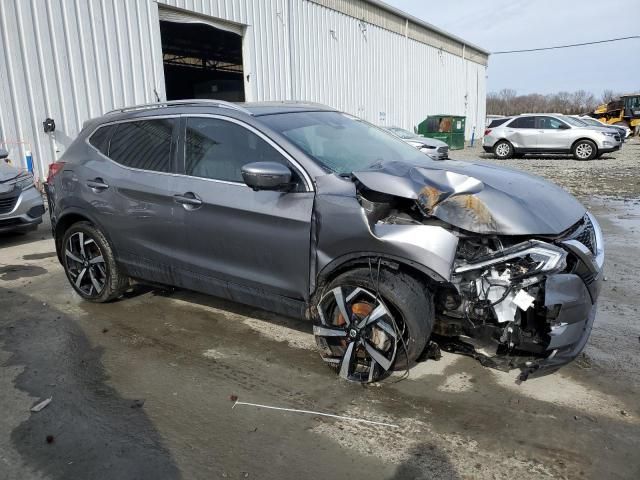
x=549, y=133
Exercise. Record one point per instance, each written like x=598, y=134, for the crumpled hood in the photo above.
x=477, y=197
x=7, y=172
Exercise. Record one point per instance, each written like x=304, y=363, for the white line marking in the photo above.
x=295, y=410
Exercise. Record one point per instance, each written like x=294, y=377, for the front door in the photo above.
x=252, y=241
x=554, y=134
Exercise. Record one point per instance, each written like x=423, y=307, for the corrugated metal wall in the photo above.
x=76, y=59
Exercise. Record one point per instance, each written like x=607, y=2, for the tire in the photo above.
x=584, y=150
x=85, y=249
x=401, y=322
x=503, y=150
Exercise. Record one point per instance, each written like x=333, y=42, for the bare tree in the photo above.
x=508, y=102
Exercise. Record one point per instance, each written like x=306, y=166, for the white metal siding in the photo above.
x=72, y=60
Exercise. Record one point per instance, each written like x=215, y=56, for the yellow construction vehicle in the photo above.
x=624, y=112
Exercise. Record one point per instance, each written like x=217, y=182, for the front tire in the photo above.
x=90, y=264
x=364, y=335
x=584, y=150
x=503, y=150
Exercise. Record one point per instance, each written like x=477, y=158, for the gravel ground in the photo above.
x=141, y=387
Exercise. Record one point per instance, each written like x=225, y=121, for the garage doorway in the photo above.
x=200, y=59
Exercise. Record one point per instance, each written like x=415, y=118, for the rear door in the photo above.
x=129, y=186
x=521, y=132
x=254, y=239
x=554, y=134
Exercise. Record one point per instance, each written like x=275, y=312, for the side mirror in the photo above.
x=564, y=126
x=3, y=154
x=266, y=176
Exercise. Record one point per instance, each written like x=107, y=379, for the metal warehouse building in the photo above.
x=71, y=60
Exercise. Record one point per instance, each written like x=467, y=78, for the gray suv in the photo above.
x=549, y=133
x=310, y=212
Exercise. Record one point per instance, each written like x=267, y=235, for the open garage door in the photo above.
x=202, y=58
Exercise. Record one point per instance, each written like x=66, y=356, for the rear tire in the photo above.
x=503, y=150
x=90, y=264
x=584, y=150
x=401, y=316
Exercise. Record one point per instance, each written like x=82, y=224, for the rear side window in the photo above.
x=523, y=122
x=144, y=144
x=101, y=137
x=218, y=149
x=497, y=122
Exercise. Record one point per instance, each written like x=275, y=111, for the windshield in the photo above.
x=574, y=121
x=401, y=132
x=591, y=121
x=340, y=142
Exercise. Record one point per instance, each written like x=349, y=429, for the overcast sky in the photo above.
x=497, y=25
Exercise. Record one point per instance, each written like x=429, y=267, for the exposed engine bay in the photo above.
x=494, y=306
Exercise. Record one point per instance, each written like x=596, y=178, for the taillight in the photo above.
x=487, y=132
x=54, y=168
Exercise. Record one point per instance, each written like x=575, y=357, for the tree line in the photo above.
x=508, y=102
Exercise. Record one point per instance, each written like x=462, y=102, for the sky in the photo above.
x=498, y=25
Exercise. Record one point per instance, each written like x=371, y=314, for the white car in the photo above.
x=549, y=133
x=433, y=147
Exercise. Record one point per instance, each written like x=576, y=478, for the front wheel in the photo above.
x=90, y=264
x=584, y=150
x=367, y=326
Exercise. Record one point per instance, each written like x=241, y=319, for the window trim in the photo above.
x=309, y=187
x=174, y=136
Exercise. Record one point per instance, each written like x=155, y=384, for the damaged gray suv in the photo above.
x=310, y=212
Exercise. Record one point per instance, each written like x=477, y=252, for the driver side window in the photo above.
x=549, y=123
x=218, y=149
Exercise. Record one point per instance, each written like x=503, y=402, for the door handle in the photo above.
x=97, y=184
x=188, y=200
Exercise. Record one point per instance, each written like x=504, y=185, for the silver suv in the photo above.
x=21, y=205
x=549, y=133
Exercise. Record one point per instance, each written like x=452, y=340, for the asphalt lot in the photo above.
x=141, y=387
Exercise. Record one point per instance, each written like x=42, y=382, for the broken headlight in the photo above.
x=531, y=257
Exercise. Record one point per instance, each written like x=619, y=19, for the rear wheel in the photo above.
x=584, y=150
x=90, y=264
x=503, y=150
x=367, y=327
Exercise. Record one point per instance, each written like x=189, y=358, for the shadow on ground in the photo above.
x=88, y=430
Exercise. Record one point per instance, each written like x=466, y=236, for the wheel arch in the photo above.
x=69, y=218
x=361, y=259
x=573, y=145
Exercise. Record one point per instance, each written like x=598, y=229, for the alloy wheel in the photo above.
x=85, y=264
x=358, y=332
x=584, y=150
x=502, y=150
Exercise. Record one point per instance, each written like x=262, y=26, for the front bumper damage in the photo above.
x=540, y=337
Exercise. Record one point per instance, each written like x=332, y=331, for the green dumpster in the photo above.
x=448, y=128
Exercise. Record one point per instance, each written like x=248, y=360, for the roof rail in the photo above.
x=176, y=103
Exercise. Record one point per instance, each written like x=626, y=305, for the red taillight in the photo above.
x=54, y=168
x=487, y=132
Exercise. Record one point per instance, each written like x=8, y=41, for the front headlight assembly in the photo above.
x=25, y=181
x=531, y=257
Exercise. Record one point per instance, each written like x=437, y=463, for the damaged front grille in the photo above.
x=585, y=234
